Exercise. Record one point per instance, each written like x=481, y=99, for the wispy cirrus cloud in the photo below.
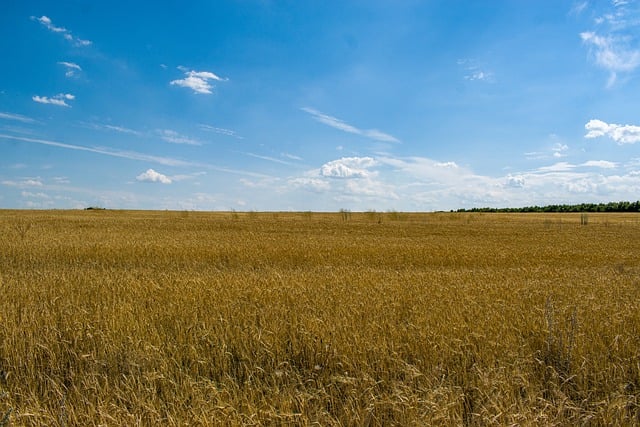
x=132, y=155
x=198, y=81
x=269, y=158
x=475, y=72
x=339, y=124
x=48, y=24
x=16, y=117
x=60, y=100
x=176, y=138
x=603, y=164
x=71, y=67
x=113, y=128
x=221, y=131
x=622, y=134
x=23, y=183
x=614, y=44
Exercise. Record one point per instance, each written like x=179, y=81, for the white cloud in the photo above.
x=559, y=149
x=152, y=176
x=370, y=188
x=603, y=164
x=578, y=8
x=428, y=171
x=345, y=127
x=198, y=81
x=622, y=134
x=71, y=67
x=46, y=22
x=59, y=100
x=348, y=167
x=61, y=180
x=614, y=46
x=516, y=181
x=122, y=129
x=35, y=195
x=474, y=72
x=175, y=138
x=26, y=182
x=132, y=155
x=312, y=184
x=612, y=53
x=268, y=158
x=222, y=131
x=16, y=117
x=291, y=156
x=557, y=167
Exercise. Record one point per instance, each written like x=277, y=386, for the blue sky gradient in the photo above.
x=316, y=105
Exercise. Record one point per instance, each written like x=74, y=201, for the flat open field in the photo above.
x=185, y=318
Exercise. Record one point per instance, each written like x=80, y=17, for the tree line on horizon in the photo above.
x=565, y=208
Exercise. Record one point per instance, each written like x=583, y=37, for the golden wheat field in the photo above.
x=331, y=319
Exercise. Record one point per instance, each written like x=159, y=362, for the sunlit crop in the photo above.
x=188, y=318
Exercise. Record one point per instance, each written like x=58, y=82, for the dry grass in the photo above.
x=184, y=318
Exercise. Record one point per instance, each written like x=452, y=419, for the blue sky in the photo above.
x=318, y=105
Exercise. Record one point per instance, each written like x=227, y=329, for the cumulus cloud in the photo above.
x=198, y=81
x=516, y=181
x=72, y=68
x=47, y=23
x=345, y=127
x=59, y=100
x=348, y=167
x=559, y=150
x=152, y=176
x=622, y=134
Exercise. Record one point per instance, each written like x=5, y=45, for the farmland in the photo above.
x=251, y=318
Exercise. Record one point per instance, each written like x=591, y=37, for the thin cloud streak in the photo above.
x=132, y=155
x=271, y=159
x=339, y=124
x=17, y=117
x=71, y=67
x=222, y=131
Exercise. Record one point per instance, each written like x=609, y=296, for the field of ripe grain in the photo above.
x=372, y=319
